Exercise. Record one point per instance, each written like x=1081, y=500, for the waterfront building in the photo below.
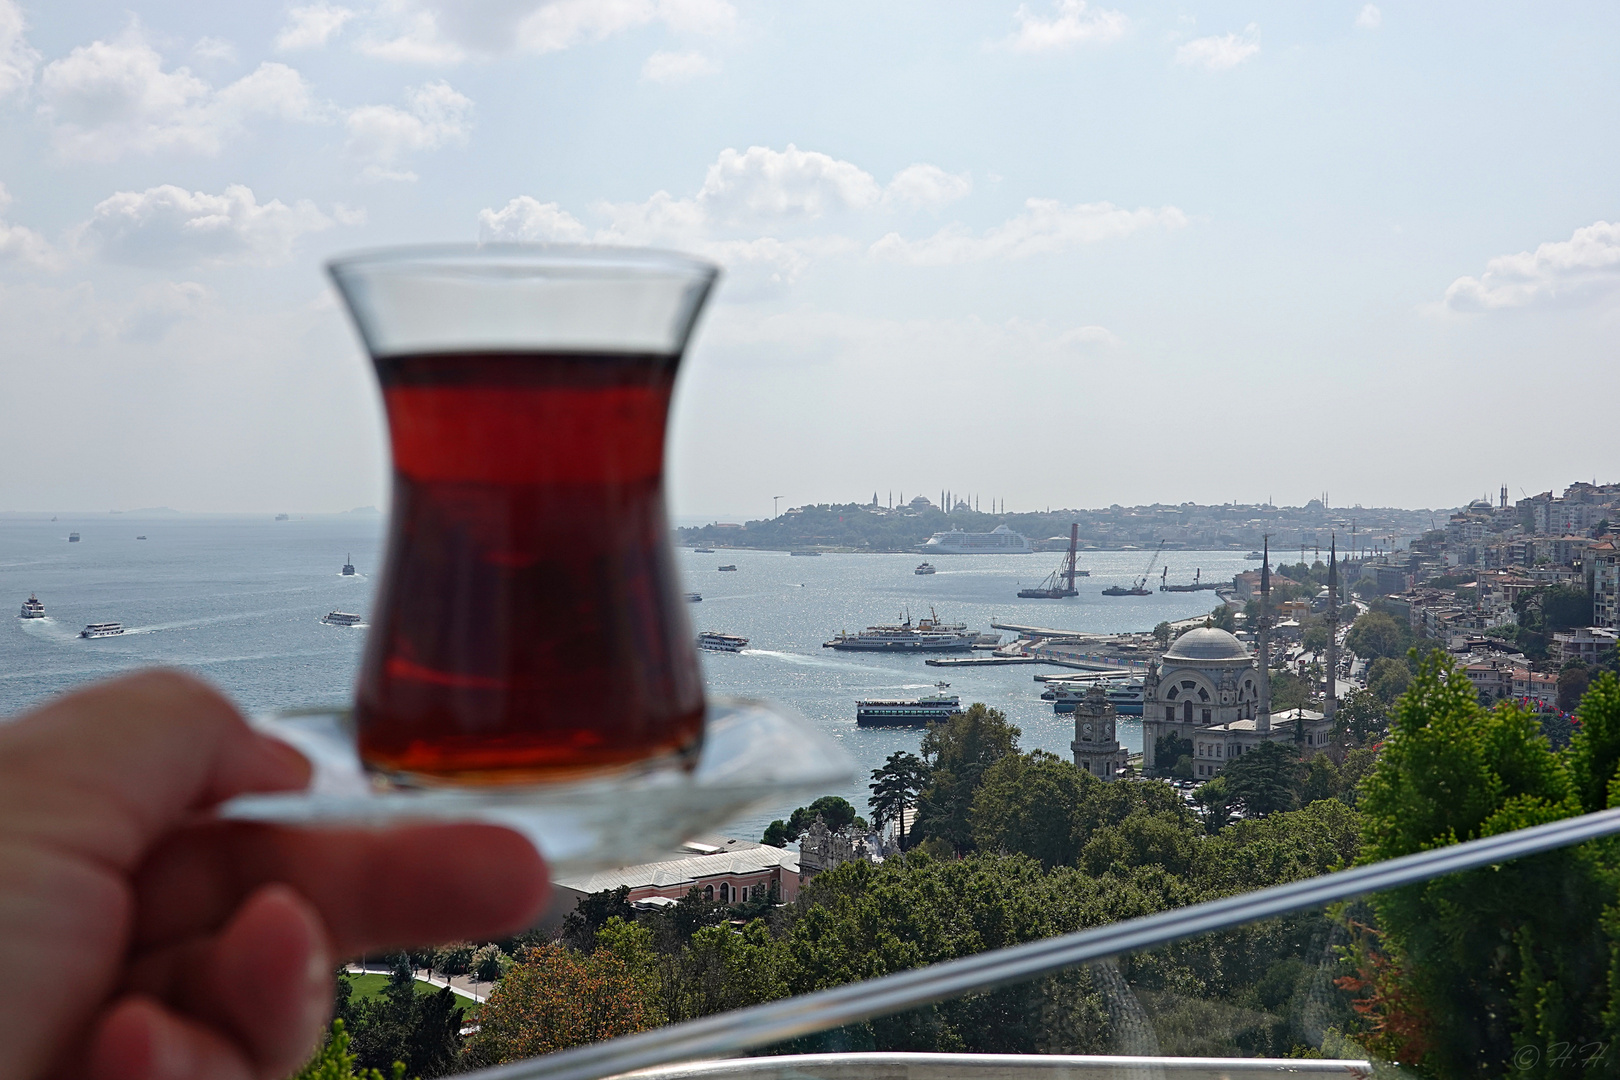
x=1096, y=745
x=720, y=868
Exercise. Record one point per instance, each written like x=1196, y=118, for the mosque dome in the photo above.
x=1207, y=643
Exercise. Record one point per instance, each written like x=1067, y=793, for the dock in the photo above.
x=984, y=661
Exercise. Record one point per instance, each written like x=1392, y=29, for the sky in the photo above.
x=1057, y=254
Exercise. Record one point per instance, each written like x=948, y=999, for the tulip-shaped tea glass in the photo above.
x=529, y=627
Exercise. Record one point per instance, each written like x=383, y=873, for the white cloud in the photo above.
x=528, y=219
x=764, y=183
x=1370, y=18
x=670, y=67
x=170, y=226
x=927, y=186
x=1073, y=23
x=22, y=246
x=381, y=135
x=312, y=26
x=108, y=99
x=1560, y=271
x=1221, y=52
x=1047, y=226
x=447, y=31
x=157, y=308
x=214, y=49
x=17, y=60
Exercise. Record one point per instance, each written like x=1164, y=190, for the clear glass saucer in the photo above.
x=754, y=753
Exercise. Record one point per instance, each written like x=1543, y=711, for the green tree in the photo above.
x=334, y=1062
x=958, y=753
x=632, y=944
x=1168, y=751
x=835, y=810
x=1222, y=618
x=589, y=915
x=1027, y=805
x=1161, y=634
x=554, y=998
x=1362, y=717
x=1289, y=691
x=400, y=1025
x=895, y=788
x=1388, y=678
x=723, y=969
x=1572, y=683
x=1376, y=634
x=1265, y=780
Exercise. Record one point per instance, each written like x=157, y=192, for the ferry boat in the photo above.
x=1255, y=556
x=729, y=566
x=281, y=517
x=1126, y=698
x=340, y=618
x=32, y=608
x=694, y=598
x=703, y=551
x=804, y=553
x=102, y=629
x=142, y=537
x=998, y=541
x=935, y=708
x=73, y=538
x=714, y=641
x=924, y=568
x=928, y=635
x=348, y=565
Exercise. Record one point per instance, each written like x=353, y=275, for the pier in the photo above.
x=985, y=661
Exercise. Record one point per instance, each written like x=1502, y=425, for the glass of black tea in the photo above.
x=529, y=626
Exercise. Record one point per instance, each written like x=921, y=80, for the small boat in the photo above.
x=714, y=641
x=694, y=598
x=925, y=568
x=729, y=566
x=73, y=538
x=102, y=629
x=140, y=538
x=340, y=618
x=703, y=551
x=935, y=708
x=348, y=566
x=1255, y=556
x=32, y=608
x=281, y=517
x=1120, y=590
x=804, y=553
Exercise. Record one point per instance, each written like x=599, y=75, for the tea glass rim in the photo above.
x=513, y=257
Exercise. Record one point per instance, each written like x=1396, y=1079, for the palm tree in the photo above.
x=895, y=788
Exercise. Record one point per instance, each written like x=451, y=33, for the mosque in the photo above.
x=1210, y=691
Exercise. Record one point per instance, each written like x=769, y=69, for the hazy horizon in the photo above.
x=1054, y=252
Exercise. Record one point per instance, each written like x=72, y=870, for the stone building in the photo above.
x=1207, y=689
x=1096, y=747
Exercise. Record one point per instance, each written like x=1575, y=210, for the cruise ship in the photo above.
x=102, y=629
x=340, y=618
x=999, y=541
x=928, y=635
x=32, y=608
x=935, y=708
x=714, y=641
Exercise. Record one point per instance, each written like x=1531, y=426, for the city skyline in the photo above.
x=1071, y=253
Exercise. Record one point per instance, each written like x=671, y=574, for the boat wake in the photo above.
x=48, y=629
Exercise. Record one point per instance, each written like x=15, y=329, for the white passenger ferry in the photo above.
x=32, y=608
x=714, y=641
x=1126, y=698
x=998, y=541
x=340, y=618
x=936, y=708
x=102, y=629
x=928, y=635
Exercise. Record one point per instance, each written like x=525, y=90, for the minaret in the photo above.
x=1331, y=705
x=1262, y=718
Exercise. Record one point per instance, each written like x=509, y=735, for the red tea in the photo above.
x=530, y=626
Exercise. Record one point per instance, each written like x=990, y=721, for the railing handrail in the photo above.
x=728, y=1033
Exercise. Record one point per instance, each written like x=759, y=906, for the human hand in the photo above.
x=144, y=940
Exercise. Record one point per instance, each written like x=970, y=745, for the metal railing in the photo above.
x=774, y=1022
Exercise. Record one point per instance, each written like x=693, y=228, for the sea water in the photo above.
x=239, y=601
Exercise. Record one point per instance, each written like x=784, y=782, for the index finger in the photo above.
x=105, y=771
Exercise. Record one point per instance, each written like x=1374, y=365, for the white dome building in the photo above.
x=1206, y=689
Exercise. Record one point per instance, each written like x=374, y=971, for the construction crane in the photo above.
x=1139, y=587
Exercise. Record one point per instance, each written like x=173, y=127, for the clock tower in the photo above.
x=1096, y=750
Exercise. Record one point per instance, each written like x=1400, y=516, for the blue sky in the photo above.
x=1057, y=253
